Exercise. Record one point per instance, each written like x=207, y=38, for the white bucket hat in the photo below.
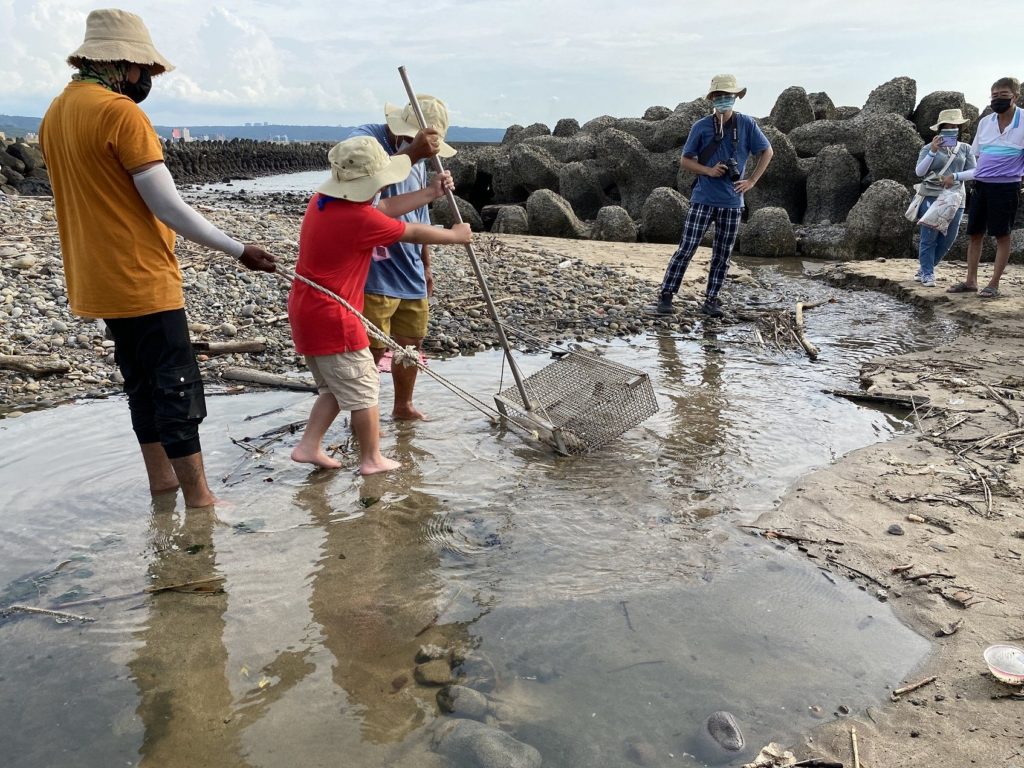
x=360, y=168
x=725, y=84
x=953, y=116
x=402, y=120
x=115, y=35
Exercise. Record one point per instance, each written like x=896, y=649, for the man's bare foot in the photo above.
x=407, y=413
x=377, y=465
x=201, y=501
x=317, y=457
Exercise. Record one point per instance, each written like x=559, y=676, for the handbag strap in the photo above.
x=952, y=157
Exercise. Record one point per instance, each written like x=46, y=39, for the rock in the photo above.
x=927, y=111
x=470, y=744
x=511, y=220
x=808, y=140
x=673, y=129
x=34, y=186
x=822, y=241
x=566, y=149
x=657, y=113
x=822, y=105
x=440, y=213
x=567, y=126
x=891, y=148
x=723, y=728
x=9, y=162
x=792, y=109
x=876, y=227
x=24, y=262
x=461, y=701
x=833, y=186
x=579, y=185
x=30, y=156
x=846, y=113
x=642, y=130
x=431, y=653
x=227, y=329
x=533, y=168
x=769, y=234
x=895, y=530
x=552, y=216
x=516, y=133
x=663, y=215
x=613, y=224
x=783, y=184
x=463, y=168
x=598, y=124
x=898, y=96
x=635, y=171
x=435, y=672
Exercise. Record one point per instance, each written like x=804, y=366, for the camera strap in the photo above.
x=712, y=147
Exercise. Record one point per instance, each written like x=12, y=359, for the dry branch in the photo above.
x=34, y=365
x=252, y=376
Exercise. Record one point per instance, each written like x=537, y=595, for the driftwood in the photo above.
x=258, y=344
x=1009, y=408
x=810, y=349
x=910, y=402
x=252, y=376
x=34, y=365
x=29, y=609
x=895, y=695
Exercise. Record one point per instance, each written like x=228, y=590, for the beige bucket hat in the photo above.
x=953, y=116
x=360, y=168
x=115, y=35
x=725, y=84
x=402, y=120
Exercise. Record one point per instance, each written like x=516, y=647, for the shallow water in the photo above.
x=611, y=598
x=304, y=182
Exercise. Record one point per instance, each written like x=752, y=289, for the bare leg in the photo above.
x=310, y=448
x=973, y=259
x=192, y=476
x=1002, y=256
x=158, y=468
x=365, y=426
x=404, y=377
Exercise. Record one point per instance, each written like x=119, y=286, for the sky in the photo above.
x=498, y=62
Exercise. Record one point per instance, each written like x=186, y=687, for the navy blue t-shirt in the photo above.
x=750, y=140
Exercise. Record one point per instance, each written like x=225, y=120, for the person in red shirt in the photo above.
x=339, y=233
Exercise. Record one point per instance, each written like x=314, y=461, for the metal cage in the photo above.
x=582, y=401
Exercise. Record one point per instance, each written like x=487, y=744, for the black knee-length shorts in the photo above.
x=161, y=379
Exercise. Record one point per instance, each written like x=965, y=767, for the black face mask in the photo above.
x=140, y=90
x=1001, y=105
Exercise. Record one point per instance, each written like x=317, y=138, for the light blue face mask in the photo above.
x=723, y=103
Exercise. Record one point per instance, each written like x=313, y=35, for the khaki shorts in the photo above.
x=350, y=376
x=396, y=317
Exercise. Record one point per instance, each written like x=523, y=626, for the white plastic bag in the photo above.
x=943, y=210
x=915, y=204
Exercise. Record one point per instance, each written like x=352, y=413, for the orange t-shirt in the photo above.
x=118, y=258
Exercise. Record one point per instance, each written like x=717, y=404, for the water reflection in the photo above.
x=185, y=703
x=375, y=594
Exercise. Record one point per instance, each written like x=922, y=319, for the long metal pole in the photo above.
x=457, y=216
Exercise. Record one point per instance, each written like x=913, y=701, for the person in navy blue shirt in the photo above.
x=716, y=150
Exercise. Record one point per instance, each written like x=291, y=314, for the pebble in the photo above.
x=25, y=262
x=724, y=729
x=435, y=672
x=461, y=701
x=895, y=529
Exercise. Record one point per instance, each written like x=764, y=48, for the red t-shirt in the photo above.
x=335, y=246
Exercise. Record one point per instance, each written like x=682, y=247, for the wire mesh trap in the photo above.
x=581, y=401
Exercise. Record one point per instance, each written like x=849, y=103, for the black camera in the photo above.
x=732, y=169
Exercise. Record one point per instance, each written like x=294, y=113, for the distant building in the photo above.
x=31, y=138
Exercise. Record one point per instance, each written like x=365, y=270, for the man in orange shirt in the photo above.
x=117, y=214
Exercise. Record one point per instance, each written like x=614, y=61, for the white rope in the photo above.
x=404, y=355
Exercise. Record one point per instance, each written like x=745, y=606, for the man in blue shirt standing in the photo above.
x=400, y=281
x=716, y=151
